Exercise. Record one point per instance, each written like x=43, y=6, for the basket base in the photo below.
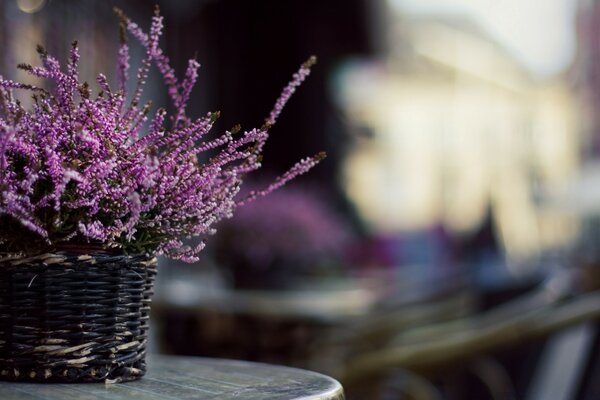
x=75, y=375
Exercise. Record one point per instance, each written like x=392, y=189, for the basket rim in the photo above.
x=58, y=256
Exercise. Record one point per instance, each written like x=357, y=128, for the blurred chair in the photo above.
x=438, y=342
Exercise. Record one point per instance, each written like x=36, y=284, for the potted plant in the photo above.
x=92, y=188
x=301, y=237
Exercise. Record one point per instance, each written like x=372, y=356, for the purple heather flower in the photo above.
x=293, y=224
x=80, y=168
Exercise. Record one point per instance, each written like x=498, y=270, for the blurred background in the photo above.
x=448, y=247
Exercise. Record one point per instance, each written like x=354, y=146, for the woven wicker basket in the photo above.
x=75, y=317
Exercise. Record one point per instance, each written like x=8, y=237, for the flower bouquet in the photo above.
x=92, y=188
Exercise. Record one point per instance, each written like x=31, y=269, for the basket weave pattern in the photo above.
x=75, y=317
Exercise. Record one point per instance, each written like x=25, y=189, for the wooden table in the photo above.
x=173, y=378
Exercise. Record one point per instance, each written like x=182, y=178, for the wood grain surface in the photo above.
x=176, y=378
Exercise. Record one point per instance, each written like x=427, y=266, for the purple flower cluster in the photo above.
x=83, y=168
x=295, y=225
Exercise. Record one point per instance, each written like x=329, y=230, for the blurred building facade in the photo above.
x=455, y=127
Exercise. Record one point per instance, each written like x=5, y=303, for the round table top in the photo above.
x=171, y=377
